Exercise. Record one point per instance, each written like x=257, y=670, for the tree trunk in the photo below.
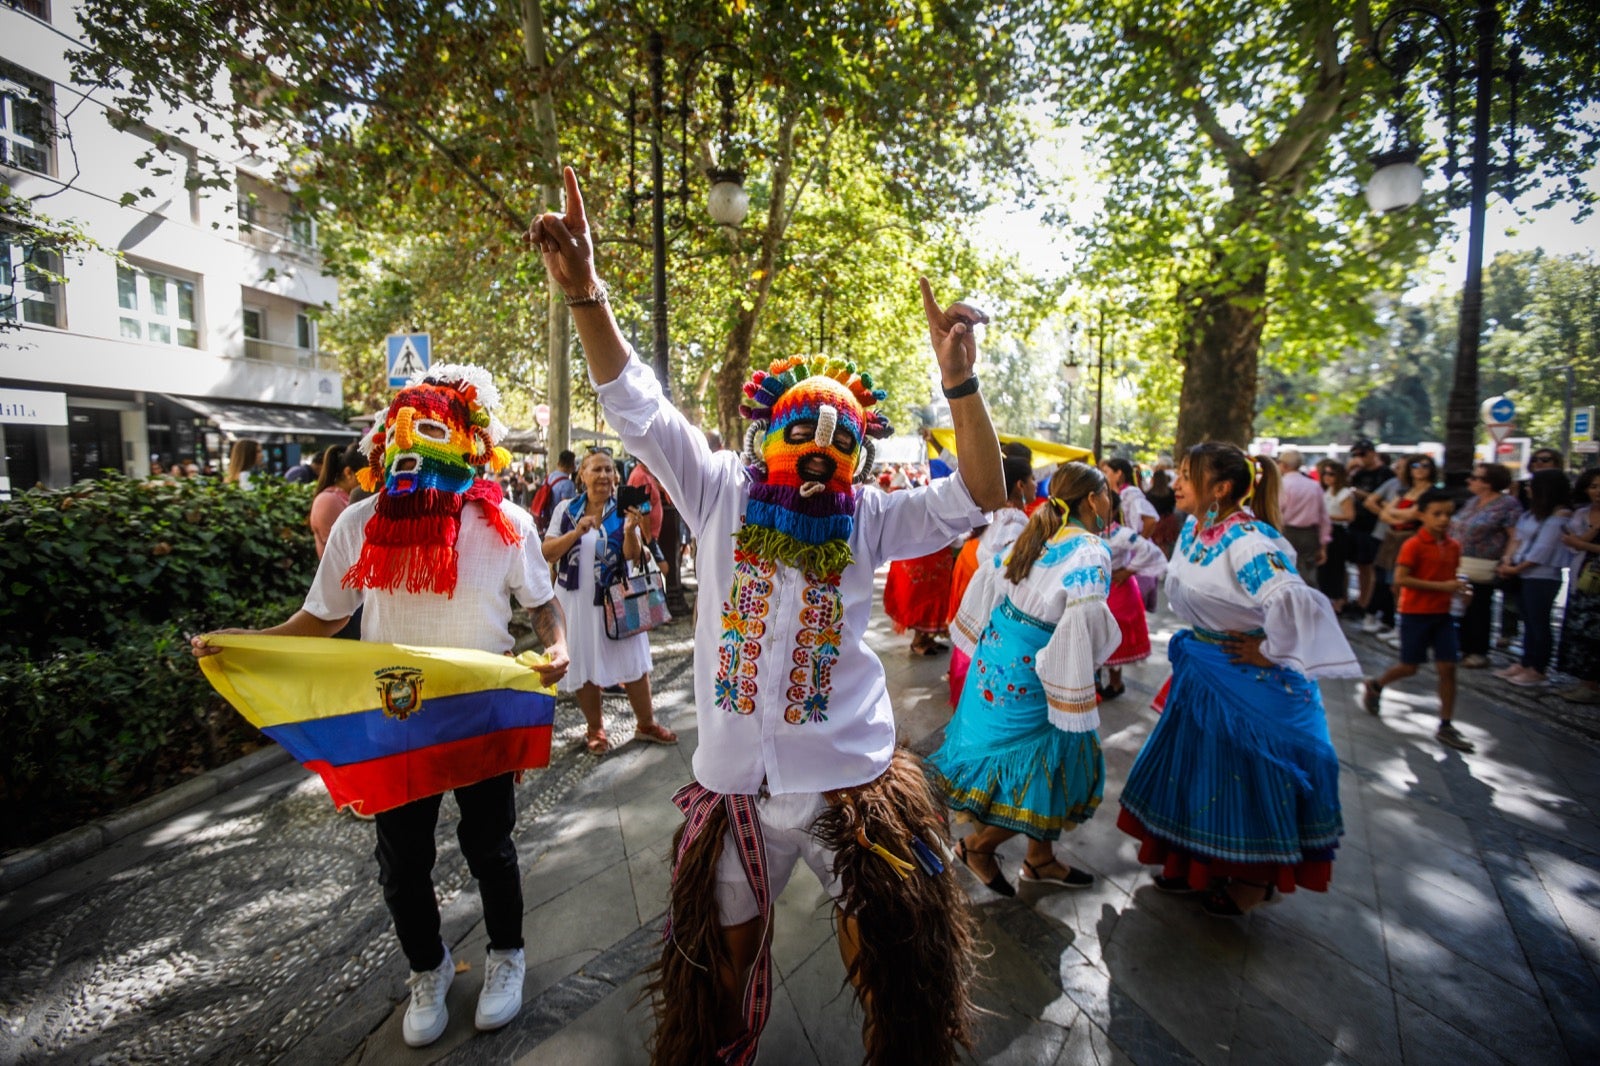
x=558, y=326
x=735, y=369
x=1219, y=352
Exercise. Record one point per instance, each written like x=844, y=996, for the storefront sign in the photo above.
x=25, y=407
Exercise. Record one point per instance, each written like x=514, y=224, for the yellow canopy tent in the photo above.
x=1044, y=451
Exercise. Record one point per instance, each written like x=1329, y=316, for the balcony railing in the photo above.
x=288, y=355
x=258, y=236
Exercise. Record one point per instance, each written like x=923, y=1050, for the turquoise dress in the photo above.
x=1023, y=750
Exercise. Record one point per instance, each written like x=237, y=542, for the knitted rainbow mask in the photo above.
x=437, y=437
x=815, y=422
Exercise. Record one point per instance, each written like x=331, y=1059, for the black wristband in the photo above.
x=966, y=388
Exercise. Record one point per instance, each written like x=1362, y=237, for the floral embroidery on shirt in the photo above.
x=816, y=650
x=1203, y=547
x=1263, y=568
x=744, y=624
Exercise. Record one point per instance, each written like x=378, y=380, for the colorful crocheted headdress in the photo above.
x=437, y=437
x=813, y=420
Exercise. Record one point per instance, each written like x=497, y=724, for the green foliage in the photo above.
x=418, y=135
x=1234, y=144
x=1541, y=314
x=84, y=565
x=1546, y=318
x=103, y=581
x=94, y=729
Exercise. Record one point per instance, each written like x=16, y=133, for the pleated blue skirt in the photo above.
x=1239, y=768
x=1001, y=759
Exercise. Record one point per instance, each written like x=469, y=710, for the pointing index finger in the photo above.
x=576, y=218
x=929, y=305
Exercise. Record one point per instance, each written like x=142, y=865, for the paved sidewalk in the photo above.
x=1462, y=925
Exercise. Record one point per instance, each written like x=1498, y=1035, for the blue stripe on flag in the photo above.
x=352, y=738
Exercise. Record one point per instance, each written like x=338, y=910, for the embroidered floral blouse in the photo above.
x=787, y=693
x=1483, y=529
x=1066, y=589
x=1130, y=551
x=1239, y=576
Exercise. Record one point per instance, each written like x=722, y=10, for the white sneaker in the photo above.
x=1369, y=624
x=1390, y=637
x=501, y=997
x=427, y=1015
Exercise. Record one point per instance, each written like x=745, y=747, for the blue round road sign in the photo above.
x=1499, y=410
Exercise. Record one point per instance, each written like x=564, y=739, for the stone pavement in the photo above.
x=1462, y=925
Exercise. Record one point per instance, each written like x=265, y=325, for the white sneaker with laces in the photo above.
x=1369, y=624
x=427, y=1015
x=501, y=997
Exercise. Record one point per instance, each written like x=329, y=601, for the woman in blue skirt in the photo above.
x=1236, y=791
x=1022, y=754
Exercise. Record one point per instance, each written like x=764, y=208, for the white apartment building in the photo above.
x=200, y=332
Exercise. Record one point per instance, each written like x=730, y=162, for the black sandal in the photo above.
x=1075, y=878
x=998, y=885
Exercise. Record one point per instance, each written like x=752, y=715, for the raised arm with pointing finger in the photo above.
x=797, y=735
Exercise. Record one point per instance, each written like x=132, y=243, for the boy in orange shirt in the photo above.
x=1425, y=574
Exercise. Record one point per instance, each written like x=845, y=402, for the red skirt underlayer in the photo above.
x=1200, y=871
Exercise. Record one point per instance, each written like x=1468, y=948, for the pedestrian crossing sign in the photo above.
x=409, y=354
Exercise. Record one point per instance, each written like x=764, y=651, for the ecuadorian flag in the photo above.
x=385, y=724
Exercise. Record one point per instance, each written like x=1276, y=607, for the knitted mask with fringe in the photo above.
x=438, y=436
x=814, y=422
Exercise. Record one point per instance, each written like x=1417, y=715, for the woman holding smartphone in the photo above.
x=590, y=539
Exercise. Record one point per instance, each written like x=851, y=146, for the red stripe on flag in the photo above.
x=394, y=780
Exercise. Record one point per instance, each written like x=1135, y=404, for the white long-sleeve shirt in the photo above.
x=1066, y=588
x=1239, y=576
x=787, y=691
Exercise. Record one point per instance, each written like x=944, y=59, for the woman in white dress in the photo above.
x=588, y=541
x=1022, y=754
x=1236, y=791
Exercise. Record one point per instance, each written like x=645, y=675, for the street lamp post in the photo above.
x=1099, y=388
x=1070, y=373
x=727, y=204
x=1397, y=184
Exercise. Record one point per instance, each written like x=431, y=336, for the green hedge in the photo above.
x=79, y=566
x=101, y=701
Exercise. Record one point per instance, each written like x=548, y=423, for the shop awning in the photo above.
x=268, y=423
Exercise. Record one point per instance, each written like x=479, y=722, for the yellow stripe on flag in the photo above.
x=330, y=677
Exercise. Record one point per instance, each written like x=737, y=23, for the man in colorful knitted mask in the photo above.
x=421, y=567
x=812, y=422
x=797, y=756
x=438, y=433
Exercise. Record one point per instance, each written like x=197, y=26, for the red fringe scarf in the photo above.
x=411, y=539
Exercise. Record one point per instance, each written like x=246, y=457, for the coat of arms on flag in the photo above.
x=354, y=712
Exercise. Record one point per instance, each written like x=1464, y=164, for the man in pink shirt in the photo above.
x=1305, y=515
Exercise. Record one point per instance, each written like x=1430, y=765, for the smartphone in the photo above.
x=632, y=496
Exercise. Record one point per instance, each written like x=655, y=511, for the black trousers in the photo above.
x=405, y=867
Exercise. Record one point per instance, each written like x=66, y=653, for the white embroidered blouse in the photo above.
x=1067, y=588
x=1132, y=552
x=1239, y=576
x=787, y=691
